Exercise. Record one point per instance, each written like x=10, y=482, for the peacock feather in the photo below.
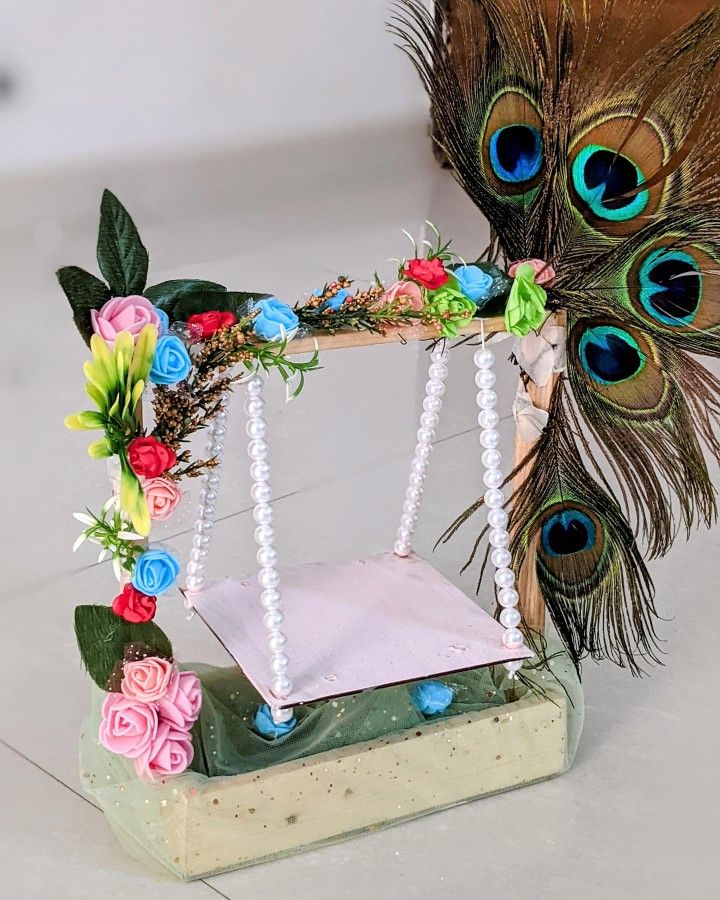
x=604, y=165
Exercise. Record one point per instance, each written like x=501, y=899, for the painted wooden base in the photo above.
x=245, y=819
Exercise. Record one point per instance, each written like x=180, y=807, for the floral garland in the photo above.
x=191, y=340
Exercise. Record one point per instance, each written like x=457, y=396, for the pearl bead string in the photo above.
x=268, y=576
x=494, y=498
x=205, y=521
x=432, y=404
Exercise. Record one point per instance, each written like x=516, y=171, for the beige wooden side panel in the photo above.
x=245, y=819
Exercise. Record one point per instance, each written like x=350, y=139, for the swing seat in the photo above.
x=356, y=625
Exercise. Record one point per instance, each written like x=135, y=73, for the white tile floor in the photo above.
x=635, y=816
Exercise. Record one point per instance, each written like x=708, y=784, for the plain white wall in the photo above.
x=94, y=78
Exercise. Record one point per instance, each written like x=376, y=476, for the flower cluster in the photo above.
x=149, y=719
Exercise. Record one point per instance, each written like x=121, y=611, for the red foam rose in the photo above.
x=149, y=457
x=134, y=606
x=209, y=322
x=429, y=272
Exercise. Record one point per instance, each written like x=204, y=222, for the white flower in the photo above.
x=84, y=518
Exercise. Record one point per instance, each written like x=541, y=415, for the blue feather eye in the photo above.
x=516, y=153
x=567, y=532
x=610, y=355
x=603, y=177
x=671, y=287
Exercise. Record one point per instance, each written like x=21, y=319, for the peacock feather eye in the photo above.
x=610, y=355
x=568, y=532
x=670, y=287
x=605, y=180
x=516, y=153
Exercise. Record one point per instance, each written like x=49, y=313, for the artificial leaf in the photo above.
x=102, y=638
x=167, y=294
x=238, y=302
x=84, y=292
x=100, y=449
x=122, y=258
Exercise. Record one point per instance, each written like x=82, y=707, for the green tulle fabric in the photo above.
x=226, y=744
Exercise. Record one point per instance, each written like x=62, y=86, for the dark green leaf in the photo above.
x=102, y=637
x=238, y=302
x=122, y=258
x=166, y=294
x=85, y=292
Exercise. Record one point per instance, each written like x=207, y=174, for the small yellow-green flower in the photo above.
x=451, y=308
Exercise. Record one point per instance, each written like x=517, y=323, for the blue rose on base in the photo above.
x=473, y=283
x=334, y=303
x=274, y=321
x=164, y=320
x=171, y=362
x=265, y=726
x=155, y=572
x=431, y=697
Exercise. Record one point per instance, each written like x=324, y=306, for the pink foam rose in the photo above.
x=544, y=272
x=169, y=753
x=147, y=679
x=181, y=704
x=162, y=496
x=408, y=292
x=128, y=726
x=130, y=314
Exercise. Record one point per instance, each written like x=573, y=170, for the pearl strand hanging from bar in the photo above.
x=268, y=576
x=494, y=498
x=202, y=534
x=432, y=404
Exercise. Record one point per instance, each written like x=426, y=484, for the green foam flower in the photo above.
x=451, y=308
x=525, y=309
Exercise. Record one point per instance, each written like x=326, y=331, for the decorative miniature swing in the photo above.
x=323, y=735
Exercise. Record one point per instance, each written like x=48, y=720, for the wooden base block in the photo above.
x=245, y=819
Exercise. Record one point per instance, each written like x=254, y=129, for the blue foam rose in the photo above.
x=265, y=726
x=334, y=303
x=473, y=283
x=275, y=320
x=155, y=572
x=431, y=697
x=171, y=362
x=164, y=319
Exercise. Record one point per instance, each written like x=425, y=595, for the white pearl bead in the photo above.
x=273, y=619
x=497, y=518
x=218, y=431
x=504, y=578
x=435, y=388
x=254, y=407
x=207, y=527
x=499, y=538
x=411, y=508
x=402, y=548
x=429, y=420
x=432, y=404
x=404, y=535
x=254, y=384
x=489, y=438
x=493, y=478
x=281, y=715
x=196, y=554
x=425, y=435
x=513, y=666
x=208, y=496
x=266, y=556
x=484, y=358
x=212, y=480
x=276, y=641
x=258, y=450
x=485, y=378
x=256, y=429
x=513, y=639
x=423, y=451
x=270, y=599
x=197, y=540
x=206, y=512
x=194, y=583
x=486, y=399
x=510, y=618
x=270, y=578
x=260, y=492
x=264, y=534
x=494, y=498
x=501, y=558
x=508, y=597
x=438, y=371
x=263, y=514
x=281, y=686
x=279, y=663
x=419, y=466
x=491, y=459
x=407, y=522
x=416, y=479
x=195, y=568
x=488, y=418
x=214, y=449
x=260, y=470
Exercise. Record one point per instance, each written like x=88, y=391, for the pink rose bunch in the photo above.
x=149, y=720
x=544, y=272
x=162, y=496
